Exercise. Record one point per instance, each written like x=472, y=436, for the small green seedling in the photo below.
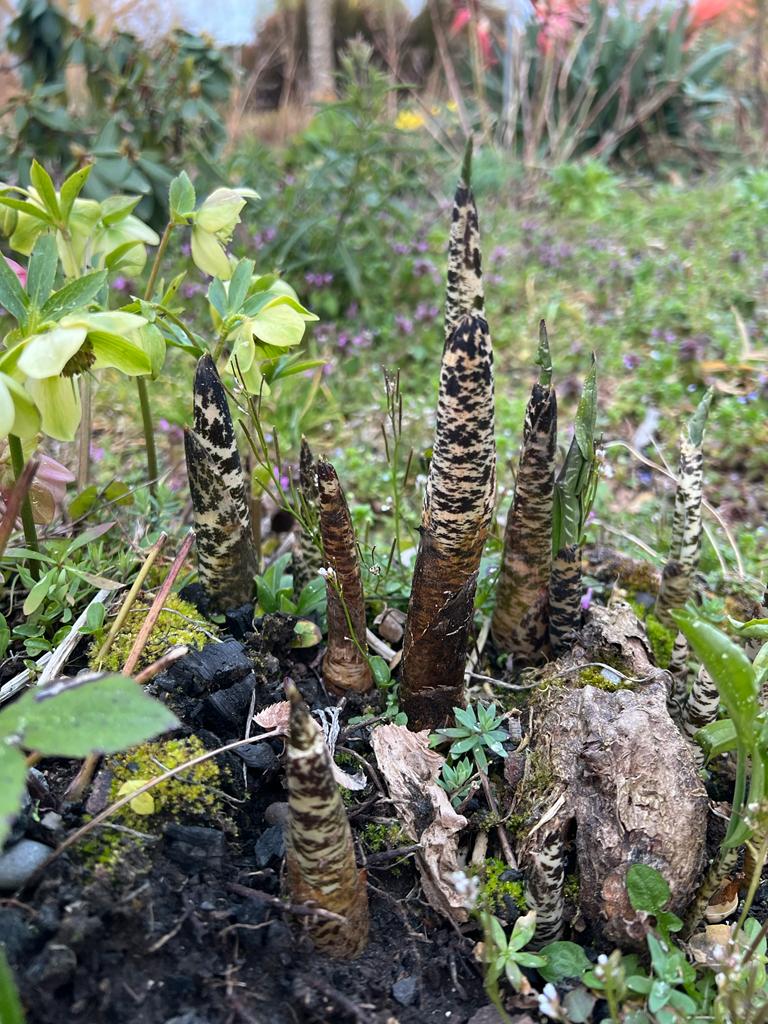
x=477, y=732
x=73, y=718
x=455, y=780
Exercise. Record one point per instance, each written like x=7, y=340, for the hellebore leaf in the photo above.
x=87, y=715
x=730, y=669
x=13, y=773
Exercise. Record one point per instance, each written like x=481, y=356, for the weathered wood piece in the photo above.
x=621, y=786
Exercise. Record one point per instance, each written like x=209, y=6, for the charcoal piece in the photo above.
x=53, y=968
x=214, y=667
x=229, y=707
x=193, y=847
x=239, y=621
x=259, y=757
x=21, y=934
x=271, y=843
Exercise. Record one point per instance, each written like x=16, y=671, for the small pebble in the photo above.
x=405, y=990
x=19, y=863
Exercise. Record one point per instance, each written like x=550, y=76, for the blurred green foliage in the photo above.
x=138, y=112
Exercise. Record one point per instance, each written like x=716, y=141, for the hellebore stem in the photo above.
x=141, y=384
x=27, y=520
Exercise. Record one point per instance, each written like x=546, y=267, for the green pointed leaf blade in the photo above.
x=730, y=669
x=71, y=189
x=88, y=715
x=13, y=775
x=41, y=271
x=12, y=295
x=564, y=960
x=181, y=198
x=75, y=295
x=42, y=181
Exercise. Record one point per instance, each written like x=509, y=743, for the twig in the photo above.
x=15, y=500
x=52, y=662
x=506, y=849
x=161, y=664
x=298, y=909
x=157, y=605
x=131, y=596
x=378, y=645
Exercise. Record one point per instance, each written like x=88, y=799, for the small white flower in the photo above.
x=328, y=574
x=549, y=1002
x=466, y=886
x=602, y=959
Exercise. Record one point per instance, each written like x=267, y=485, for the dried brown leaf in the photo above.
x=411, y=770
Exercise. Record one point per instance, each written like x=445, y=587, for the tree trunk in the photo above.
x=320, y=36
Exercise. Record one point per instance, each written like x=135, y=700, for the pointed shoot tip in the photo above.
x=466, y=166
x=544, y=356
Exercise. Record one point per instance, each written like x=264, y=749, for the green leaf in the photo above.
x=647, y=889
x=71, y=189
x=41, y=179
x=181, y=198
x=83, y=502
x=12, y=295
x=23, y=206
x=717, y=738
x=306, y=634
x=564, y=960
x=88, y=715
x=39, y=592
x=379, y=670
x=578, y=1004
x=41, y=271
x=116, y=208
x=217, y=297
x=238, y=285
x=13, y=774
x=523, y=931
x=730, y=669
x=75, y=295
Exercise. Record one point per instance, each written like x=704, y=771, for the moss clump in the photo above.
x=571, y=888
x=377, y=836
x=594, y=676
x=661, y=639
x=177, y=624
x=495, y=890
x=194, y=793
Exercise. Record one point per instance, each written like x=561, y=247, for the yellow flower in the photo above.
x=409, y=121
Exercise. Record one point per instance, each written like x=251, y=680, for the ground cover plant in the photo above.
x=440, y=687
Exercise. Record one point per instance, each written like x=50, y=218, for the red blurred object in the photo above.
x=708, y=10
x=463, y=19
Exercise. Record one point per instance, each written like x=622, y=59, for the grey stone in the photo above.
x=405, y=990
x=20, y=862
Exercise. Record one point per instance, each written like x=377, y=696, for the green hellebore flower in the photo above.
x=212, y=227
x=52, y=359
x=280, y=323
x=18, y=413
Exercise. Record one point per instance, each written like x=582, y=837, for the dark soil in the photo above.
x=190, y=927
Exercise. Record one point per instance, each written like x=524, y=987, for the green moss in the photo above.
x=493, y=889
x=594, y=676
x=194, y=793
x=571, y=888
x=661, y=639
x=177, y=624
x=193, y=796
x=377, y=836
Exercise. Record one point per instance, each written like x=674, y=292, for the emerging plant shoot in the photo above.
x=458, y=503
x=226, y=556
x=320, y=856
x=345, y=666
x=574, y=494
x=520, y=618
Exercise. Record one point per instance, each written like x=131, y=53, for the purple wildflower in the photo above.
x=631, y=361
x=404, y=323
